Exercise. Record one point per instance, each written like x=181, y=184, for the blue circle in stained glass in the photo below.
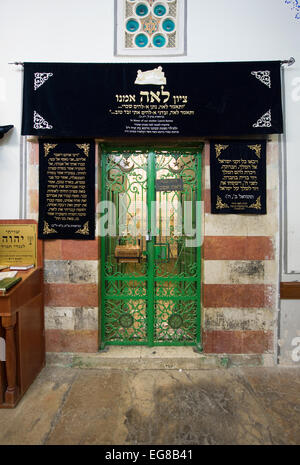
x=132, y=25
x=141, y=10
x=168, y=25
x=141, y=40
x=160, y=10
x=159, y=40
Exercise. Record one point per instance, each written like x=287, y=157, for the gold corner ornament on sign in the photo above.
x=48, y=147
x=219, y=148
x=257, y=204
x=47, y=229
x=256, y=148
x=85, y=148
x=220, y=204
x=84, y=230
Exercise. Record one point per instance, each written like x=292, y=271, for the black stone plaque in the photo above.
x=238, y=177
x=66, y=189
x=169, y=184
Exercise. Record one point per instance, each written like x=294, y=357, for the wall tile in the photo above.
x=71, y=318
x=58, y=340
x=240, y=272
x=71, y=295
x=238, y=295
x=80, y=250
x=238, y=319
x=238, y=248
x=71, y=271
x=237, y=342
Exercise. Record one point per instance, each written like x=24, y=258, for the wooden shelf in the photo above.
x=22, y=327
x=290, y=290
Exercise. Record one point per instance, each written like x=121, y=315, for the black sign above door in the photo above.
x=148, y=99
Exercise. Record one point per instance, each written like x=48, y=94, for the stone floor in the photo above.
x=179, y=406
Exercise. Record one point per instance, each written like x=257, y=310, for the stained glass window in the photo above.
x=150, y=27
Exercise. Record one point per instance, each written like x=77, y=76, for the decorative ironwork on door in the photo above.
x=150, y=262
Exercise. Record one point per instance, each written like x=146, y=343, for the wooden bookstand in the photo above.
x=22, y=322
x=128, y=253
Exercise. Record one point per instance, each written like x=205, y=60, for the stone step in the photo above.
x=153, y=358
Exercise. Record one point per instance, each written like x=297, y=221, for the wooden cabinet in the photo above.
x=22, y=328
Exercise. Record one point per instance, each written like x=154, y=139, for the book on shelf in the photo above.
x=7, y=283
x=7, y=274
x=21, y=267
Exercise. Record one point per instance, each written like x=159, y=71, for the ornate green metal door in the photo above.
x=150, y=258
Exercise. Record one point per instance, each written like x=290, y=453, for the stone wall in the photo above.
x=71, y=281
x=240, y=272
x=240, y=276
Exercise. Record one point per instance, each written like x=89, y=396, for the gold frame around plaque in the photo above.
x=18, y=244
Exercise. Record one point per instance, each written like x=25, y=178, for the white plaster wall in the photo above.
x=77, y=31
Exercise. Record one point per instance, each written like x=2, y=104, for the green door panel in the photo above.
x=150, y=268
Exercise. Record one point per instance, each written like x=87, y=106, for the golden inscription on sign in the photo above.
x=18, y=244
x=66, y=195
x=239, y=176
x=152, y=111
